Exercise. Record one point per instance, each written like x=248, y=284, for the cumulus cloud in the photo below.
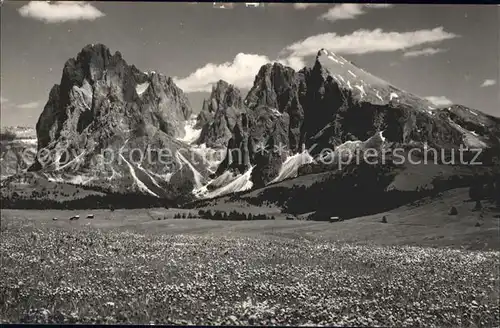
x=366, y=41
x=424, y=52
x=302, y=6
x=349, y=11
x=439, y=101
x=30, y=105
x=488, y=83
x=297, y=63
x=60, y=11
x=240, y=71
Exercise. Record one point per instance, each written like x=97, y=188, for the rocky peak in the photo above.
x=273, y=120
x=218, y=94
x=97, y=86
x=272, y=87
x=104, y=103
x=280, y=88
x=219, y=115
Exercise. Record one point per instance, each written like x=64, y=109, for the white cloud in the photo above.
x=349, y=10
x=30, y=105
x=302, y=6
x=439, y=101
x=343, y=11
x=488, y=83
x=424, y=52
x=60, y=11
x=241, y=72
x=366, y=41
x=3, y=100
x=297, y=63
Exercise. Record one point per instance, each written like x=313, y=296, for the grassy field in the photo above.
x=130, y=267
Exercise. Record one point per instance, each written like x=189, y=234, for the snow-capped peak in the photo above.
x=349, y=76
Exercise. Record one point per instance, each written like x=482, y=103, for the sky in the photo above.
x=446, y=53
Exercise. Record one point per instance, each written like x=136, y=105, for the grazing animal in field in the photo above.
x=453, y=211
x=90, y=216
x=384, y=219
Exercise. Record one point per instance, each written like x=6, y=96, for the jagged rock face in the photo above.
x=281, y=88
x=105, y=105
x=219, y=115
x=335, y=102
x=206, y=115
x=254, y=143
x=98, y=86
x=349, y=115
x=270, y=126
x=474, y=124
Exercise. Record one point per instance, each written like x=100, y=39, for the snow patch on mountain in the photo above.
x=290, y=168
x=165, y=177
x=197, y=176
x=276, y=112
x=350, y=75
x=222, y=180
x=191, y=134
x=393, y=95
x=350, y=148
x=470, y=138
x=82, y=95
x=75, y=180
x=75, y=161
x=137, y=181
x=333, y=58
x=361, y=89
x=139, y=166
x=241, y=183
x=140, y=88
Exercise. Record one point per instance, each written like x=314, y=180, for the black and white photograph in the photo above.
x=250, y=163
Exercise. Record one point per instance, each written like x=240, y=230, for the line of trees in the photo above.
x=233, y=216
x=185, y=216
x=110, y=201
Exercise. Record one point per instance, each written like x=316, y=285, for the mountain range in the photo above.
x=110, y=129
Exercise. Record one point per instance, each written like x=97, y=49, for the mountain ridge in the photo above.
x=104, y=103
